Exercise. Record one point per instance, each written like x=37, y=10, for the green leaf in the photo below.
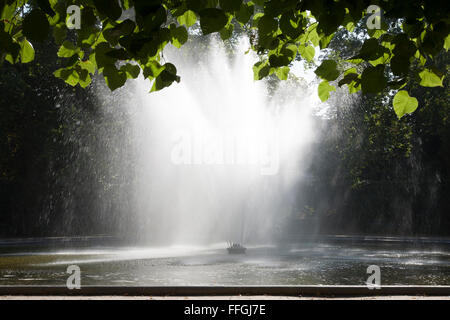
x=227, y=31
x=327, y=70
x=403, y=46
x=430, y=78
x=278, y=60
x=260, y=70
x=267, y=25
x=348, y=22
x=373, y=79
x=67, y=50
x=325, y=40
x=9, y=49
x=348, y=78
x=188, y=18
x=179, y=35
x=114, y=78
x=245, y=12
x=131, y=70
x=126, y=4
x=165, y=78
x=432, y=42
x=153, y=21
x=282, y=73
x=352, y=80
x=399, y=65
x=256, y=18
x=88, y=17
x=45, y=6
x=354, y=86
x=101, y=58
x=370, y=50
x=8, y=10
x=109, y=8
x=324, y=90
x=404, y=104
x=307, y=52
x=84, y=78
x=112, y=33
x=152, y=69
x=88, y=65
x=212, y=20
x=313, y=36
x=118, y=54
x=284, y=56
x=35, y=26
x=447, y=43
x=197, y=5
x=87, y=37
x=59, y=33
x=290, y=25
x=70, y=76
x=26, y=52
x=230, y=5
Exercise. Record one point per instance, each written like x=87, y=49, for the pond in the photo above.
x=308, y=263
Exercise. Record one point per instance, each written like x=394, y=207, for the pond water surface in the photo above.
x=318, y=263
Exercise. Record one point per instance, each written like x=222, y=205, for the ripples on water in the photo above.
x=307, y=264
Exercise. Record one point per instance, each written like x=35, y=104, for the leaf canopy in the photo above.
x=281, y=32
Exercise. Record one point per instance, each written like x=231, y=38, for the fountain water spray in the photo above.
x=218, y=155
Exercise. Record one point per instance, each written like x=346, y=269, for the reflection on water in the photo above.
x=306, y=264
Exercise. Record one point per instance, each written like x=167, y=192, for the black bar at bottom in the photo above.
x=227, y=290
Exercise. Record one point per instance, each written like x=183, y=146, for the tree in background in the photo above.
x=56, y=165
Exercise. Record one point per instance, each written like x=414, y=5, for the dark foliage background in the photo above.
x=372, y=173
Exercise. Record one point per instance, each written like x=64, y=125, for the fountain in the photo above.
x=217, y=155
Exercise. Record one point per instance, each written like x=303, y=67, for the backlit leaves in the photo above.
x=26, y=51
x=307, y=52
x=328, y=70
x=291, y=25
x=447, y=42
x=109, y=8
x=212, y=20
x=324, y=90
x=132, y=71
x=261, y=70
x=114, y=78
x=70, y=75
x=165, y=77
x=370, y=50
x=245, y=12
x=226, y=31
x=282, y=73
x=179, y=35
x=67, y=50
x=278, y=31
x=430, y=78
x=404, y=104
x=188, y=18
